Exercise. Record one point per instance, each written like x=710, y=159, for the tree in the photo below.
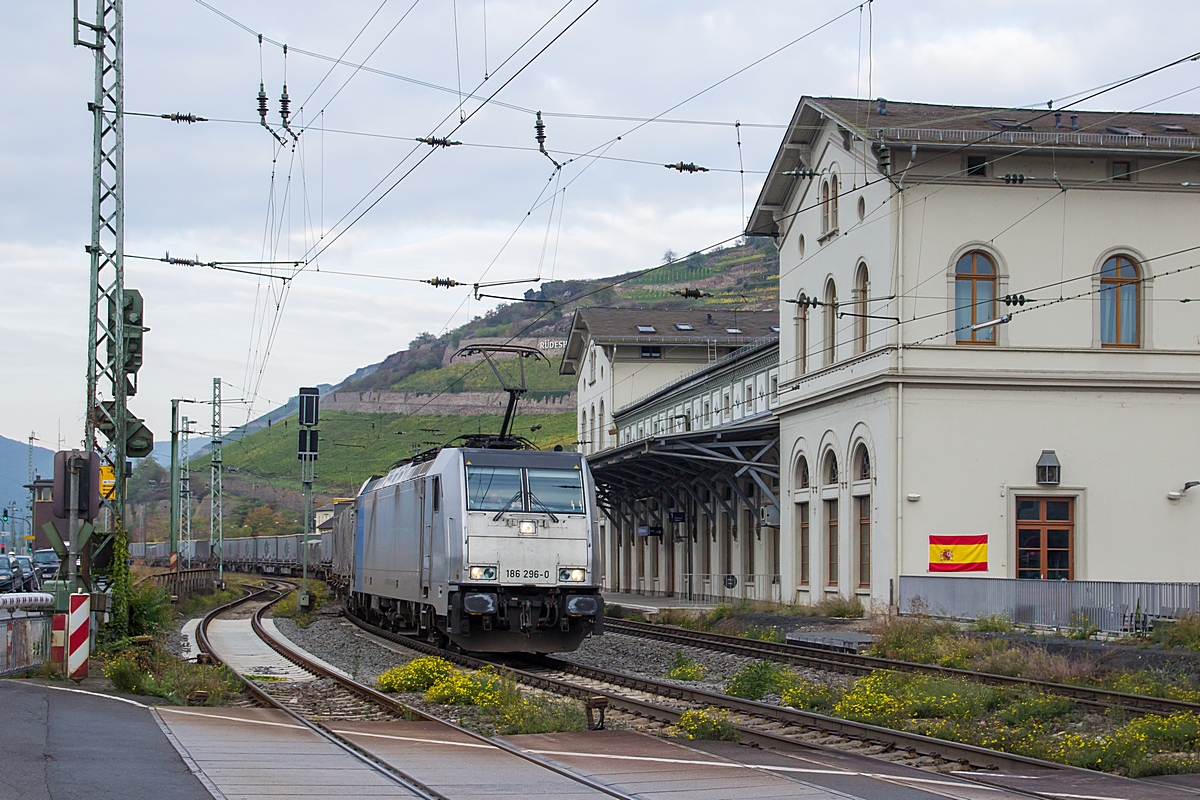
x=669, y=256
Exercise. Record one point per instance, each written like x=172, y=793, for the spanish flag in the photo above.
x=958, y=553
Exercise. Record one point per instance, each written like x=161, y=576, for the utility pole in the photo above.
x=29, y=500
x=115, y=320
x=185, y=495
x=173, y=549
x=310, y=404
x=216, y=529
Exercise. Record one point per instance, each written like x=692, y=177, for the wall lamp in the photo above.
x=1186, y=486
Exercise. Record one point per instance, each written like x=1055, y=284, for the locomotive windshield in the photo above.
x=548, y=490
x=493, y=488
x=556, y=490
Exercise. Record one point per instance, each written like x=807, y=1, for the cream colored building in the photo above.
x=915, y=403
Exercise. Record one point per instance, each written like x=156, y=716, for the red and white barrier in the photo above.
x=79, y=627
x=26, y=600
x=58, y=640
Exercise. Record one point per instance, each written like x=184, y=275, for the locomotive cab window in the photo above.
x=558, y=491
x=494, y=488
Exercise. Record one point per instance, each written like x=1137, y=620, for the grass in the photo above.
x=755, y=681
x=465, y=376
x=504, y=708
x=1184, y=632
x=319, y=597
x=728, y=617
x=155, y=672
x=355, y=446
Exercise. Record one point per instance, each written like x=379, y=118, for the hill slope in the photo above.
x=14, y=470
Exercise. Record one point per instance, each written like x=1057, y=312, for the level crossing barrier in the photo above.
x=1107, y=606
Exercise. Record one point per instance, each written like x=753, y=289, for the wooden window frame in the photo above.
x=864, y=541
x=861, y=329
x=1117, y=283
x=1043, y=525
x=825, y=207
x=801, y=322
x=975, y=278
x=829, y=323
x=802, y=511
x=832, y=555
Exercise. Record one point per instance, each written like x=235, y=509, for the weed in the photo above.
x=684, y=668
x=482, y=688
x=993, y=623
x=149, y=610
x=836, y=606
x=157, y=673
x=415, y=676
x=1039, y=708
x=763, y=633
x=319, y=596
x=1081, y=628
x=1183, y=632
x=754, y=681
x=809, y=696
x=913, y=638
x=707, y=724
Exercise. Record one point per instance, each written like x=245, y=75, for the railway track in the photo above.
x=757, y=723
x=850, y=663
x=329, y=697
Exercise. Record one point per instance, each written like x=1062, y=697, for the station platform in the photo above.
x=649, y=604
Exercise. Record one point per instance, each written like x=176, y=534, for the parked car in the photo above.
x=32, y=580
x=10, y=573
x=46, y=562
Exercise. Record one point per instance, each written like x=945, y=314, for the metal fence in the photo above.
x=26, y=643
x=715, y=587
x=1110, y=606
x=183, y=583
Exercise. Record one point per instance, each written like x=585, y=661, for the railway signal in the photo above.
x=306, y=451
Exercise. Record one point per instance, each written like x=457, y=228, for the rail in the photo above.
x=183, y=583
x=1108, y=606
x=857, y=664
x=27, y=640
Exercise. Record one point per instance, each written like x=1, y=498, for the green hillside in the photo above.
x=356, y=446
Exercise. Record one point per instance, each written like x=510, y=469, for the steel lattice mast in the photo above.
x=216, y=532
x=185, y=494
x=106, y=330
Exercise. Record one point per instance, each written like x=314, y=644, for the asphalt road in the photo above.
x=63, y=745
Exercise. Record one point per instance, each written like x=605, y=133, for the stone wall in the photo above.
x=461, y=404
x=550, y=346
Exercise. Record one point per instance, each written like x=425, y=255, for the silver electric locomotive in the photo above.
x=492, y=548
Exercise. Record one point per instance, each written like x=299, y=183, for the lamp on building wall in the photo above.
x=1186, y=486
x=1049, y=471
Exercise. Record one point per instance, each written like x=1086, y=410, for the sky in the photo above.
x=348, y=194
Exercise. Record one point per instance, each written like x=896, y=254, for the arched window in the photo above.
x=802, y=473
x=862, y=464
x=825, y=207
x=833, y=203
x=592, y=435
x=974, y=298
x=801, y=323
x=1120, y=303
x=861, y=285
x=830, y=473
x=583, y=430
x=603, y=432
x=830, y=319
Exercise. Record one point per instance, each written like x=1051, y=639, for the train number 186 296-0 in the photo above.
x=533, y=574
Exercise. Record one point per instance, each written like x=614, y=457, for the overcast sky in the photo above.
x=227, y=191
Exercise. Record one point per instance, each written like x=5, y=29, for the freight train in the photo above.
x=270, y=555
x=491, y=548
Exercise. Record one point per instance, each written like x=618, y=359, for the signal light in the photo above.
x=134, y=323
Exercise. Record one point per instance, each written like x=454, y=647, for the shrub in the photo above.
x=756, y=680
x=159, y=674
x=840, y=607
x=707, y=724
x=482, y=688
x=763, y=633
x=809, y=696
x=1184, y=632
x=149, y=610
x=415, y=676
x=1040, y=708
x=993, y=623
x=520, y=715
x=1081, y=628
x=126, y=674
x=913, y=638
x=685, y=669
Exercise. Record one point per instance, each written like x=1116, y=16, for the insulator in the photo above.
x=443, y=283
x=438, y=141
x=284, y=105
x=691, y=293
x=262, y=102
x=540, y=127
x=686, y=167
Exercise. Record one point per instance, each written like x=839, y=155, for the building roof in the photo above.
x=943, y=127
x=698, y=327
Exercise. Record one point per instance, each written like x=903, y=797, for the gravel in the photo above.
x=336, y=640
x=648, y=658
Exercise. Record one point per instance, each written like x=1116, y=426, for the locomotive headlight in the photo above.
x=527, y=527
x=566, y=574
x=483, y=573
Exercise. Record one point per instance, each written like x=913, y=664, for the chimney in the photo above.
x=1057, y=119
x=882, y=109
x=1074, y=122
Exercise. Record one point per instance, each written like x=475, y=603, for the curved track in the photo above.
x=759, y=723
x=832, y=661
x=352, y=700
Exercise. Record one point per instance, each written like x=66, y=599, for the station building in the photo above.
x=989, y=362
